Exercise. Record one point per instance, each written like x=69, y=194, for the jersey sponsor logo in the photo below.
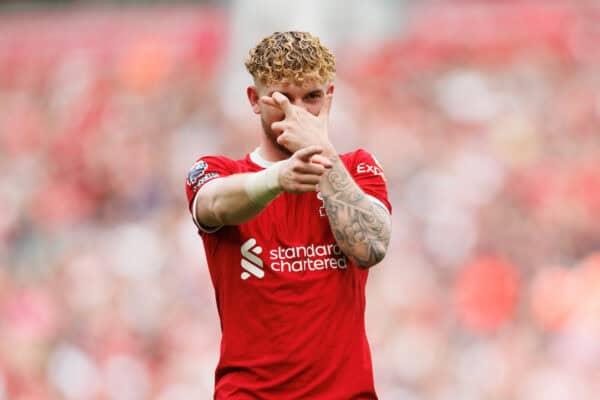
x=314, y=257
x=196, y=172
x=364, y=168
x=251, y=263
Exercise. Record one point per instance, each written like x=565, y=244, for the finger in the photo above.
x=279, y=126
x=282, y=102
x=266, y=100
x=321, y=160
x=310, y=168
x=308, y=179
x=283, y=139
x=324, y=113
x=306, y=153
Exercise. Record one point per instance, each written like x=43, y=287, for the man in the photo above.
x=289, y=234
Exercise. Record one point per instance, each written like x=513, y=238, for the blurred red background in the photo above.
x=484, y=115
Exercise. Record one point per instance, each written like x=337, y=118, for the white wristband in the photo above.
x=263, y=186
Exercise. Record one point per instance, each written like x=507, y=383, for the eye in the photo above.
x=314, y=95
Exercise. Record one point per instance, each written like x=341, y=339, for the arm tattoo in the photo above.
x=361, y=228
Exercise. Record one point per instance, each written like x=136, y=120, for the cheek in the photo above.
x=314, y=109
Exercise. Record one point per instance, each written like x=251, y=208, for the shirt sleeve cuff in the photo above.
x=201, y=227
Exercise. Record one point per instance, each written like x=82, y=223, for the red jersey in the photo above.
x=291, y=304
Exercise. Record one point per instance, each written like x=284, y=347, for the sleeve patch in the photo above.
x=196, y=172
x=365, y=168
x=206, y=178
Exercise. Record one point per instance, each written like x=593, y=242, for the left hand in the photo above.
x=300, y=128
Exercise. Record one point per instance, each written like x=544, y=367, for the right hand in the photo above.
x=302, y=172
x=300, y=128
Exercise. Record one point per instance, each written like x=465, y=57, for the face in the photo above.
x=309, y=96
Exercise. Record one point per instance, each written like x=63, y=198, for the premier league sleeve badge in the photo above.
x=196, y=172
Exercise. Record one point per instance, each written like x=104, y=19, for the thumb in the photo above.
x=325, y=109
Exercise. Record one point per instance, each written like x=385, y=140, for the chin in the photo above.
x=284, y=150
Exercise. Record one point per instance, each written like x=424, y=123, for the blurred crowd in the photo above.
x=485, y=118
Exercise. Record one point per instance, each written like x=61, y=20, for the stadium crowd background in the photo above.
x=484, y=115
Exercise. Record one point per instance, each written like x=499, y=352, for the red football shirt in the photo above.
x=291, y=304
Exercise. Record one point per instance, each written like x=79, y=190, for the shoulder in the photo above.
x=208, y=167
x=358, y=160
x=363, y=165
x=214, y=159
x=208, y=162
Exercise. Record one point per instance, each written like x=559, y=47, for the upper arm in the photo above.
x=205, y=170
x=369, y=176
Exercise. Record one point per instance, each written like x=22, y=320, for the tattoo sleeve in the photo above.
x=361, y=228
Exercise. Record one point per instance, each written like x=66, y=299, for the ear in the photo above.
x=330, y=89
x=253, y=97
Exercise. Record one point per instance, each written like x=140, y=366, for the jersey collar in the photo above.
x=259, y=160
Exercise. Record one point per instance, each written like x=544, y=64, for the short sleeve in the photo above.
x=368, y=174
x=204, y=170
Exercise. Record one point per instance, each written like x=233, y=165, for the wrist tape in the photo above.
x=263, y=186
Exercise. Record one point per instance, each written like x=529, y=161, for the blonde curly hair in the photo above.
x=291, y=57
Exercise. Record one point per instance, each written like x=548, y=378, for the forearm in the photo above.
x=361, y=227
x=237, y=198
x=225, y=202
